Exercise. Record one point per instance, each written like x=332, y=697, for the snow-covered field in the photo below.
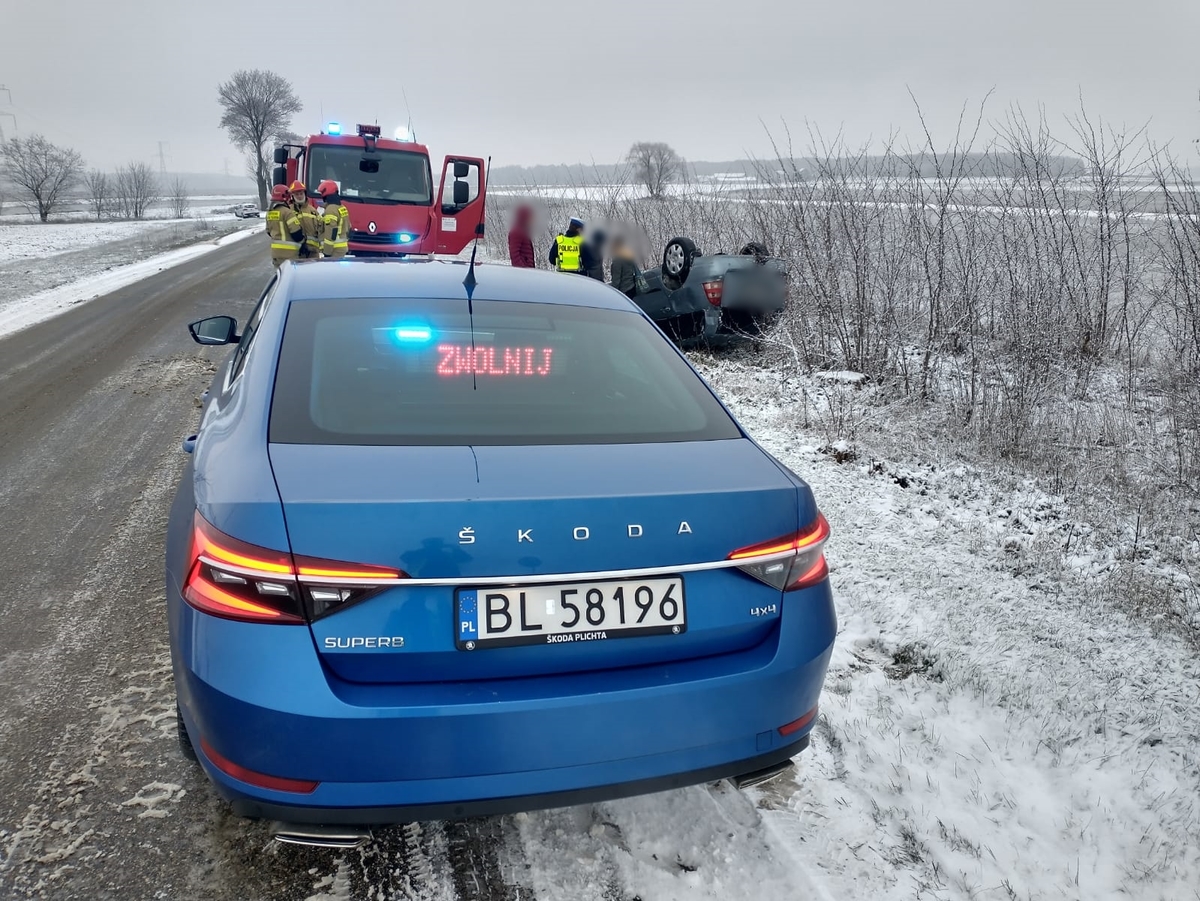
x=24, y=312
x=47, y=268
x=32, y=241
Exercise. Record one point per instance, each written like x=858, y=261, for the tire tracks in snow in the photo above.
x=703, y=842
x=467, y=860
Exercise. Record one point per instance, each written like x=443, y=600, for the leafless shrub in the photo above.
x=100, y=192
x=1029, y=295
x=137, y=189
x=179, y=198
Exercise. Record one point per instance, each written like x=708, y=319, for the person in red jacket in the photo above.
x=520, y=241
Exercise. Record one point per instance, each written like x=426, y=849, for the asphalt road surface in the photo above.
x=96, y=801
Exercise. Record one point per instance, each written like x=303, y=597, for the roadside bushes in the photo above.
x=1020, y=294
x=991, y=280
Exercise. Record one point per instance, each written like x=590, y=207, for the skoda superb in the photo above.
x=451, y=544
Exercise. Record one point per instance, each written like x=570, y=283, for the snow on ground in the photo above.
x=23, y=312
x=30, y=241
x=988, y=729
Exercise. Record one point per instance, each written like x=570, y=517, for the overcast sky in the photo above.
x=546, y=82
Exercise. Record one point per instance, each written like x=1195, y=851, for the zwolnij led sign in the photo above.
x=462, y=359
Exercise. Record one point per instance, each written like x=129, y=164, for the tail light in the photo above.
x=236, y=580
x=791, y=562
x=712, y=290
x=796, y=725
x=328, y=585
x=262, y=780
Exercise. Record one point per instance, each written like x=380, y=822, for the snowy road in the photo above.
x=987, y=732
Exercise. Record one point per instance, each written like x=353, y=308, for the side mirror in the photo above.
x=279, y=176
x=461, y=169
x=462, y=193
x=281, y=155
x=214, y=330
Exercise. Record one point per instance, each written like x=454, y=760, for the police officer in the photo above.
x=566, y=253
x=310, y=220
x=283, y=226
x=335, y=219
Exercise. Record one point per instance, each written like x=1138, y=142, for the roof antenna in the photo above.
x=470, y=282
x=412, y=135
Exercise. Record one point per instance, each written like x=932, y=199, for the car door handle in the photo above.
x=189, y=443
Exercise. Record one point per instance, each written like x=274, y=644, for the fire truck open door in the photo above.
x=458, y=214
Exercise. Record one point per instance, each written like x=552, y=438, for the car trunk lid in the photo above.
x=455, y=519
x=758, y=289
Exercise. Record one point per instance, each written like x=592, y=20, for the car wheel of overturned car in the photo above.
x=677, y=261
x=755, y=249
x=185, y=741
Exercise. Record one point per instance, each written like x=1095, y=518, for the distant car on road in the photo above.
x=247, y=211
x=437, y=556
x=714, y=298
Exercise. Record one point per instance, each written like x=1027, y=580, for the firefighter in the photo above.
x=310, y=220
x=335, y=218
x=567, y=251
x=284, y=227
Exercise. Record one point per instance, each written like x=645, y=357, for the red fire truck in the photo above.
x=387, y=185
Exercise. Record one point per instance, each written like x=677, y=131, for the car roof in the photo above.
x=443, y=280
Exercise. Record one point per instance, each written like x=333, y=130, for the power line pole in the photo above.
x=6, y=113
x=162, y=161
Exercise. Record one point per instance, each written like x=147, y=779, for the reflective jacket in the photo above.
x=282, y=225
x=310, y=223
x=568, y=255
x=335, y=234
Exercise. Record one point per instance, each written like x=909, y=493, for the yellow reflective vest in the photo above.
x=311, y=224
x=335, y=235
x=570, y=252
x=281, y=223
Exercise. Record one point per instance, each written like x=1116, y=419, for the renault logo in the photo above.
x=371, y=227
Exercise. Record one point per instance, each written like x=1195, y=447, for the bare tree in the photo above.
x=179, y=198
x=137, y=190
x=257, y=106
x=42, y=172
x=655, y=165
x=100, y=192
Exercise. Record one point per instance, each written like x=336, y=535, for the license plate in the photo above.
x=569, y=612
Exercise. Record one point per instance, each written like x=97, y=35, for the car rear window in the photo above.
x=409, y=372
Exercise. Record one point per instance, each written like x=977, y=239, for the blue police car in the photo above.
x=448, y=546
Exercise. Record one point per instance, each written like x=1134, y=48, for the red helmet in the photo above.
x=327, y=187
x=297, y=187
x=279, y=192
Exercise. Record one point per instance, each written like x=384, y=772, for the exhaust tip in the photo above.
x=766, y=774
x=319, y=836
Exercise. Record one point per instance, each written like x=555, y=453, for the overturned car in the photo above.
x=696, y=298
